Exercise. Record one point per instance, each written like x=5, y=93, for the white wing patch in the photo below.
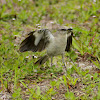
x=37, y=38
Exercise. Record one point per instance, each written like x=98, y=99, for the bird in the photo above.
x=41, y=39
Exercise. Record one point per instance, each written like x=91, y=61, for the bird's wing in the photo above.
x=69, y=42
x=36, y=41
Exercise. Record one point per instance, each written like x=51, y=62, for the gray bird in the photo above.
x=44, y=39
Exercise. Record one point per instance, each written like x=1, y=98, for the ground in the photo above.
x=21, y=79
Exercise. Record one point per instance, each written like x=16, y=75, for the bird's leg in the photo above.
x=63, y=61
x=51, y=61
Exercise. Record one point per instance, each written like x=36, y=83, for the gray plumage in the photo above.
x=43, y=39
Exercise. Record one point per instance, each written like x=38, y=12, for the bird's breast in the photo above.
x=57, y=46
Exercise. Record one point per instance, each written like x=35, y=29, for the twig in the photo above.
x=90, y=43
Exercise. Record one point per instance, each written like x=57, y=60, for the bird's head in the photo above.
x=66, y=31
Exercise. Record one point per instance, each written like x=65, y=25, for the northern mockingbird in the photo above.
x=44, y=39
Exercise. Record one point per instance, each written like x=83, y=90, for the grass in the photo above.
x=21, y=78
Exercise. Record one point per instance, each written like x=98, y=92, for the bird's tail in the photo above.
x=42, y=60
